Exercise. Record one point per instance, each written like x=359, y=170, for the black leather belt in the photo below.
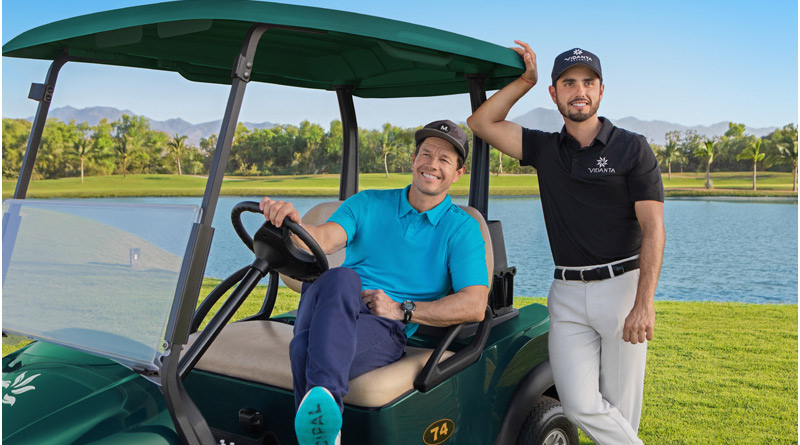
x=597, y=273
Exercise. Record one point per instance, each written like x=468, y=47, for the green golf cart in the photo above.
x=110, y=292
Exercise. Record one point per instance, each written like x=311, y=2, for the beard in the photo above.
x=577, y=116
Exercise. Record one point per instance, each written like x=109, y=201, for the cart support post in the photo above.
x=349, y=179
x=43, y=93
x=242, y=69
x=187, y=418
x=479, y=174
x=188, y=289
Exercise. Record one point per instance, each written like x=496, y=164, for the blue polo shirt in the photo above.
x=407, y=254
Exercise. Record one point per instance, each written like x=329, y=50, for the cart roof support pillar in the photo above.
x=187, y=418
x=43, y=93
x=479, y=174
x=348, y=186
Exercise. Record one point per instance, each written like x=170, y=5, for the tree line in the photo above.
x=733, y=151
x=130, y=145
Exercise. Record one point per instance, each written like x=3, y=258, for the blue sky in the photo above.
x=691, y=62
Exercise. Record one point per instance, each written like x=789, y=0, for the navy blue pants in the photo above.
x=337, y=338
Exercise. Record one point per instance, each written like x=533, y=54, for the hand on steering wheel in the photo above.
x=274, y=245
x=277, y=211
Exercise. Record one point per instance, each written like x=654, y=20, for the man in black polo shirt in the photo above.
x=602, y=199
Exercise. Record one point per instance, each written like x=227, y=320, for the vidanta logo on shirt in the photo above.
x=602, y=164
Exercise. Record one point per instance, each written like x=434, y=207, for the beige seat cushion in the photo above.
x=258, y=351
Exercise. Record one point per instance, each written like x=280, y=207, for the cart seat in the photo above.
x=258, y=350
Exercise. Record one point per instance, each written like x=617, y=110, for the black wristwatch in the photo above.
x=408, y=307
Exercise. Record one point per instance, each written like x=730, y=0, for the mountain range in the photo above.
x=654, y=131
x=540, y=118
x=193, y=132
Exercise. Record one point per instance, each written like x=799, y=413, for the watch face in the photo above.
x=408, y=307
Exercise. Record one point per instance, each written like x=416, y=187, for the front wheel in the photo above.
x=546, y=424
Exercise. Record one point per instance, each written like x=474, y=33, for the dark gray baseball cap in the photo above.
x=575, y=56
x=447, y=130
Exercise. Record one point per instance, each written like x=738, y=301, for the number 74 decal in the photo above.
x=438, y=432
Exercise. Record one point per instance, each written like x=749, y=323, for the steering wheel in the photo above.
x=275, y=246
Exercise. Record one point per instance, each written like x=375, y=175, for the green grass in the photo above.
x=729, y=184
x=722, y=373
x=681, y=184
x=717, y=373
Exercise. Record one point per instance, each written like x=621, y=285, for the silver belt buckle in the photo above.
x=582, y=279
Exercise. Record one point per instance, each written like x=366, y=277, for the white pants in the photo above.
x=598, y=376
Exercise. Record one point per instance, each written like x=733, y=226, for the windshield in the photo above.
x=95, y=277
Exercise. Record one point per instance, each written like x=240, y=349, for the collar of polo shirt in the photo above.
x=434, y=215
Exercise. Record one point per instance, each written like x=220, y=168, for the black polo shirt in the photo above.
x=588, y=193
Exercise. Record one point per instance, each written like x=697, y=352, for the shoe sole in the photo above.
x=318, y=419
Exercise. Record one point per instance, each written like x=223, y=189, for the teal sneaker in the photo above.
x=318, y=420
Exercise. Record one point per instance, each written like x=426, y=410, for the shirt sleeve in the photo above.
x=529, y=147
x=348, y=213
x=467, y=257
x=644, y=178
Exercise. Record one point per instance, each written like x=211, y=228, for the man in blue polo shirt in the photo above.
x=405, y=249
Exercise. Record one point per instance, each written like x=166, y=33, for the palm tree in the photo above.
x=499, y=162
x=82, y=148
x=177, y=146
x=753, y=151
x=123, y=148
x=672, y=153
x=392, y=138
x=707, y=150
x=787, y=153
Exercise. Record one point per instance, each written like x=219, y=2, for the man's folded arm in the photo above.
x=466, y=305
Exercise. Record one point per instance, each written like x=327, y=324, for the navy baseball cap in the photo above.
x=447, y=130
x=575, y=56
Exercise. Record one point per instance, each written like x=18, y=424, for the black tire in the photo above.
x=546, y=424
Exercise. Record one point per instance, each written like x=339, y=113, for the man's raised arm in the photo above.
x=489, y=120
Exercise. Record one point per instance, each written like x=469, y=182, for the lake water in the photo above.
x=718, y=249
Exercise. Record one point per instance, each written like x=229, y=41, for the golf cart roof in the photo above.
x=307, y=47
